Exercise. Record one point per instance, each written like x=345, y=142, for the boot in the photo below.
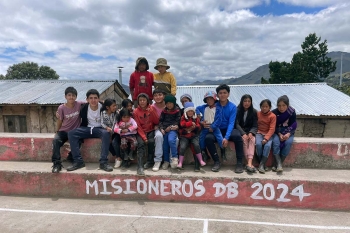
x=223, y=154
x=205, y=156
x=181, y=160
x=278, y=163
x=140, y=171
x=131, y=155
x=149, y=162
x=199, y=157
x=196, y=164
x=262, y=164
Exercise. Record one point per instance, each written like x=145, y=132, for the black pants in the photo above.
x=60, y=138
x=114, y=147
x=141, y=146
x=234, y=137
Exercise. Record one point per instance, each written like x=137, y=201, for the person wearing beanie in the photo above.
x=206, y=113
x=141, y=80
x=164, y=80
x=147, y=120
x=183, y=99
x=168, y=124
x=189, y=133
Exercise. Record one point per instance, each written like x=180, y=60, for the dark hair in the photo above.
x=107, y=103
x=92, y=92
x=156, y=91
x=265, y=101
x=124, y=112
x=126, y=102
x=240, y=107
x=223, y=87
x=284, y=99
x=71, y=90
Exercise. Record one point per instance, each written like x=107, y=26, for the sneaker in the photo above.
x=174, y=162
x=56, y=168
x=165, y=165
x=216, y=167
x=239, y=168
x=75, y=166
x=118, y=163
x=156, y=166
x=148, y=165
x=106, y=167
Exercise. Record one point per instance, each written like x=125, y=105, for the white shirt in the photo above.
x=209, y=114
x=94, y=117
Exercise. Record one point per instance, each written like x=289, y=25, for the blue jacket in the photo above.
x=225, y=117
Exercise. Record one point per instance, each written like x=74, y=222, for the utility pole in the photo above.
x=120, y=74
x=341, y=69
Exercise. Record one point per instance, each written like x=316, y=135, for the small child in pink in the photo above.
x=127, y=128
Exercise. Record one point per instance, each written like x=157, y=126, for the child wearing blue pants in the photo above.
x=169, y=124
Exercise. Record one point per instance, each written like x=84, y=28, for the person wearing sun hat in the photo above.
x=164, y=80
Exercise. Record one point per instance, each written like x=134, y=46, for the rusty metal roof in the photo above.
x=45, y=92
x=309, y=99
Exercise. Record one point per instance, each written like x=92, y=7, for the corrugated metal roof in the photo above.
x=45, y=92
x=310, y=99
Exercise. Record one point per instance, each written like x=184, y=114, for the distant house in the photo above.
x=322, y=111
x=29, y=106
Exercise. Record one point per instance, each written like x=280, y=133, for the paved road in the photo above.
x=23, y=214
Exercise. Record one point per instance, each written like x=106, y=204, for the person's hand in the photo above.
x=162, y=131
x=245, y=137
x=264, y=141
x=250, y=135
x=193, y=125
x=286, y=136
x=280, y=136
x=174, y=127
x=167, y=129
x=146, y=141
x=125, y=130
x=224, y=142
x=109, y=129
x=57, y=115
x=210, y=130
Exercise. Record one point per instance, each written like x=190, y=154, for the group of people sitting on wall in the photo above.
x=154, y=126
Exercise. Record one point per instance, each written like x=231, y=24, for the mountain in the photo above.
x=254, y=77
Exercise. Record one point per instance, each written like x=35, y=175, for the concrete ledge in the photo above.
x=305, y=153
x=295, y=188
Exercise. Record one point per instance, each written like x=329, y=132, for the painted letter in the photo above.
x=128, y=191
x=199, y=186
x=154, y=187
x=220, y=189
x=144, y=191
x=175, y=187
x=119, y=189
x=189, y=183
x=232, y=191
x=163, y=187
x=104, y=182
x=93, y=185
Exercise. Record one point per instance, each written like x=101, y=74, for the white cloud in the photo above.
x=201, y=40
x=313, y=3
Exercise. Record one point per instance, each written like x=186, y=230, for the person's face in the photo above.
x=247, y=103
x=92, y=100
x=158, y=97
x=190, y=113
x=210, y=101
x=184, y=100
x=282, y=107
x=223, y=95
x=265, y=108
x=70, y=97
x=129, y=107
x=142, y=67
x=161, y=69
x=143, y=102
x=125, y=118
x=170, y=105
x=112, y=108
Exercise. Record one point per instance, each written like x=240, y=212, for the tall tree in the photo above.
x=2, y=77
x=30, y=70
x=308, y=66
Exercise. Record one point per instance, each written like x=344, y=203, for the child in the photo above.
x=90, y=127
x=247, y=124
x=108, y=119
x=141, y=80
x=126, y=127
x=68, y=120
x=207, y=114
x=168, y=125
x=164, y=80
x=128, y=104
x=286, y=125
x=188, y=133
x=266, y=128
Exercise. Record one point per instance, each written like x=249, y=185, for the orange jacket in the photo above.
x=266, y=124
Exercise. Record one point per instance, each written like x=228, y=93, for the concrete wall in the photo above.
x=323, y=127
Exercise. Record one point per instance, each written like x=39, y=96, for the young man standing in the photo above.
x=90, y=128
x=164, y=80
x=68, y=120
x=224, y=120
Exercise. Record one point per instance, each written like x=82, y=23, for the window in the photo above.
x=15, y=124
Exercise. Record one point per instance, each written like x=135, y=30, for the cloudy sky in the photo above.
x=201, y=39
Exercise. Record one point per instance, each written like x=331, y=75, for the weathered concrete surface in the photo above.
x=295, y=188
x=306, y=152
x=81, y=215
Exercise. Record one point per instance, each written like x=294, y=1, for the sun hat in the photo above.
x=161, y=62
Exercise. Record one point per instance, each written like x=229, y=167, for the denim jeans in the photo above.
x=184, y=144
x=276, y=145
x=158, y=139
x=170, y=144
x=87, y=132
x=60, y=138
x=262, y=150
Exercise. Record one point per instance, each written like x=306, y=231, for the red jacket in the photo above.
x=146, y=120
x=143, y=85
x=185, y=123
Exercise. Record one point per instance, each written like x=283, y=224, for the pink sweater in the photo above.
x=130, y=125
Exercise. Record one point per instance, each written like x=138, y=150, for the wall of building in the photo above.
x=323, y=127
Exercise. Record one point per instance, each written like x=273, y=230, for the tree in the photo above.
x=30, y=70
x=308, y=66
x=2, y=77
